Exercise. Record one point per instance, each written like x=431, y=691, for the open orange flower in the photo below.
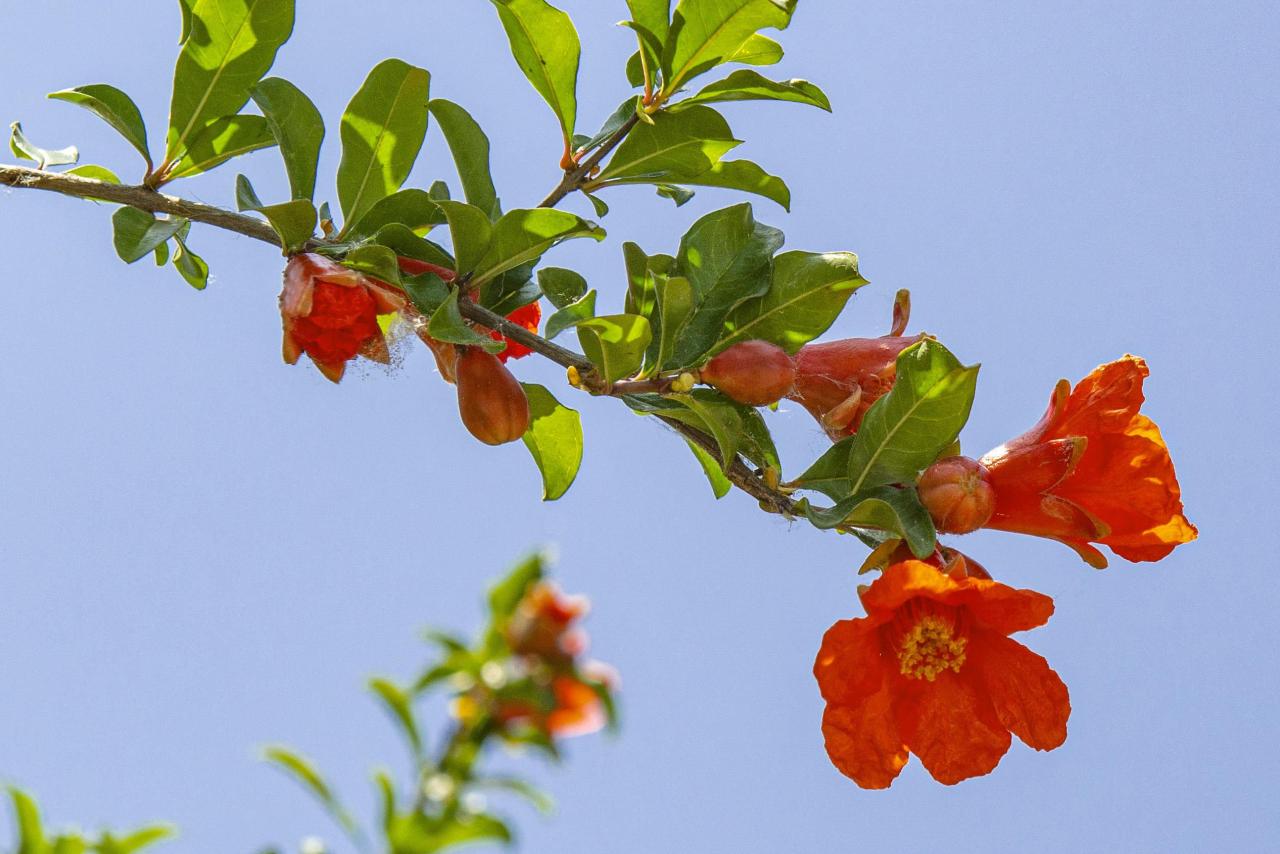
x=331, y=313
x=1094, y=470
x=930, y=671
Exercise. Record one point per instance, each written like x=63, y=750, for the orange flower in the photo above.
x=930, y=671
x=542, y=624
x=331, y=313
x=527, y=316
x=573, y=704
x=1094, y=470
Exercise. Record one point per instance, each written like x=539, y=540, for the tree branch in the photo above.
x=574, y=178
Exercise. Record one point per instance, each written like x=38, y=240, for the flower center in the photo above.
x=929, y=642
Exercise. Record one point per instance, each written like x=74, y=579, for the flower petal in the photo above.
x=951, y=726
x=997, y=606
x=848, y=667
x=863, y=741
x=1028, y=696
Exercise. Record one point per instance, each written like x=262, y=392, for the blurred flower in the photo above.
x=930, y=671
x=1094, y=470
x=542, y=624
x=331, y=313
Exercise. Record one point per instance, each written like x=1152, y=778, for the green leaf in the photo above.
x=886, y=508
x=561, y=286
x=382, y=132
x=727, y=256
x=674, y=148
x=808, y=292
x=189, y=265
x=521, y=236
x=546, y=47
x=705, y=33
x=221, y=140
x=720, y=485
x=471, y=232
x=635, y=70
x=615, y=343
x=414, y=209
x=93, y=172
x=398, y=705
x=758, y=50
x=611, y=125
x=746, y=176
x=447, y=324
x=24, y=149
x=138, y=233
x=135, y=841
x=829, y=474
x=904, y=431
x=470, y=148
x=554, y=440
x=571, y=315
x=601, y=209
x=641, y=297
x=294, y=222
x=506, y=593
x=674, y=304
x=305, y=775
x=26, y=817
x=427, y=291
x=376, y=261
x=229, y=45
x=113, y=107
x=675, y=193
x=652, y=21
x=405, y=243
x=747, y=85
x=298, y=128
x=718, y=417
x=510, y=290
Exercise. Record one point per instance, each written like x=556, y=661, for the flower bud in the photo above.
x=755, y=373
x=839, y=380
x=492, y=404
x=958, y=495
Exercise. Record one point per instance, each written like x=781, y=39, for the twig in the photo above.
x=574, y=178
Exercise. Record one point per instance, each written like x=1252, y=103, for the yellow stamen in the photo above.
x=929, y=647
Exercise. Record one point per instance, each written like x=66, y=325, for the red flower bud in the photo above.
x=756, y=373
x=957, y=493
x=838, y=381
x=492, y=404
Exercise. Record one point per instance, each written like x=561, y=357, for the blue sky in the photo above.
x=205, y=550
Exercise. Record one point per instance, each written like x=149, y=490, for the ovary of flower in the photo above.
x=930, y=647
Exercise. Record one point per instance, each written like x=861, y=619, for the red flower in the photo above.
x=331, y=313
x=930, y=671
x=543, y=624
x=1094, y=470
x=527, y=316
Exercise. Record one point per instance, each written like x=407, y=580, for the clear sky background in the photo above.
x=204, y=550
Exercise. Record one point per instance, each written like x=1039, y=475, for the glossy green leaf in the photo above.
x=471, y=231
x=138, y=233
x=652, y=19
x=720, y=484
x=298, y=128
x=611, y=125
x=25, y=149
x=746, y=176
x=221, y=140
x=94, y=172
x=230, y=45
x=414, y=209
x=426, y=291
x=294, y=222
x=447, y=324
x=635, y=70
x=641, y=297
x=571, y=315
x=376, y=261
x=705, y=33
x=113, y=107
x=561, y=286
x=546, y=47
x=407, y=244
x=470, y=148
x=747, y=85
x=808, y=292
x=382, y=132
x=398, y=705
x=673, y=305
x=718, y=417
x=727, y=257
x=510, y=290
x=521, y=236
x=192, y=268
x=554, y=440
x=675, y=193
x=674, y=148
x=890, y=509
x=615, y=343
x=904, y=431
x=758, y=50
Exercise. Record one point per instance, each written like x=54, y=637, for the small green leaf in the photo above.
x=571, y=315
x=758, y=50
x=598, y=204
x=113, y=107
x=305, y=775
x=24, y=149
x=904, y=431
x=615, y=343
x=382, y=132
x=138, y=233
x=189, y=265
x=720, y=485
x=229, y=46
x=298, y=128
x=471, y=232
x=93, y=172
x=561, y=286
x=376, y=261
x=221, y=140
x=135, y=841
x=746, y=176
x=470, y=148
x=554, y=439
x=674, y=148
x=427, y=291
x=399, y=706
x=705, y=33
x=829, y=474
x=747, y=85
x=675, y=193
x=294, y=222
x=521, y=236
x=611, y=125
x=808, y=292
x=546, y=47
x=26, y=816
x=886, y=508
x=447, y=324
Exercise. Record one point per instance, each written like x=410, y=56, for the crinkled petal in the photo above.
x=999, y=607
x=1028, y=696
x=951, y=726
x=848, y=667
x=863, y=741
